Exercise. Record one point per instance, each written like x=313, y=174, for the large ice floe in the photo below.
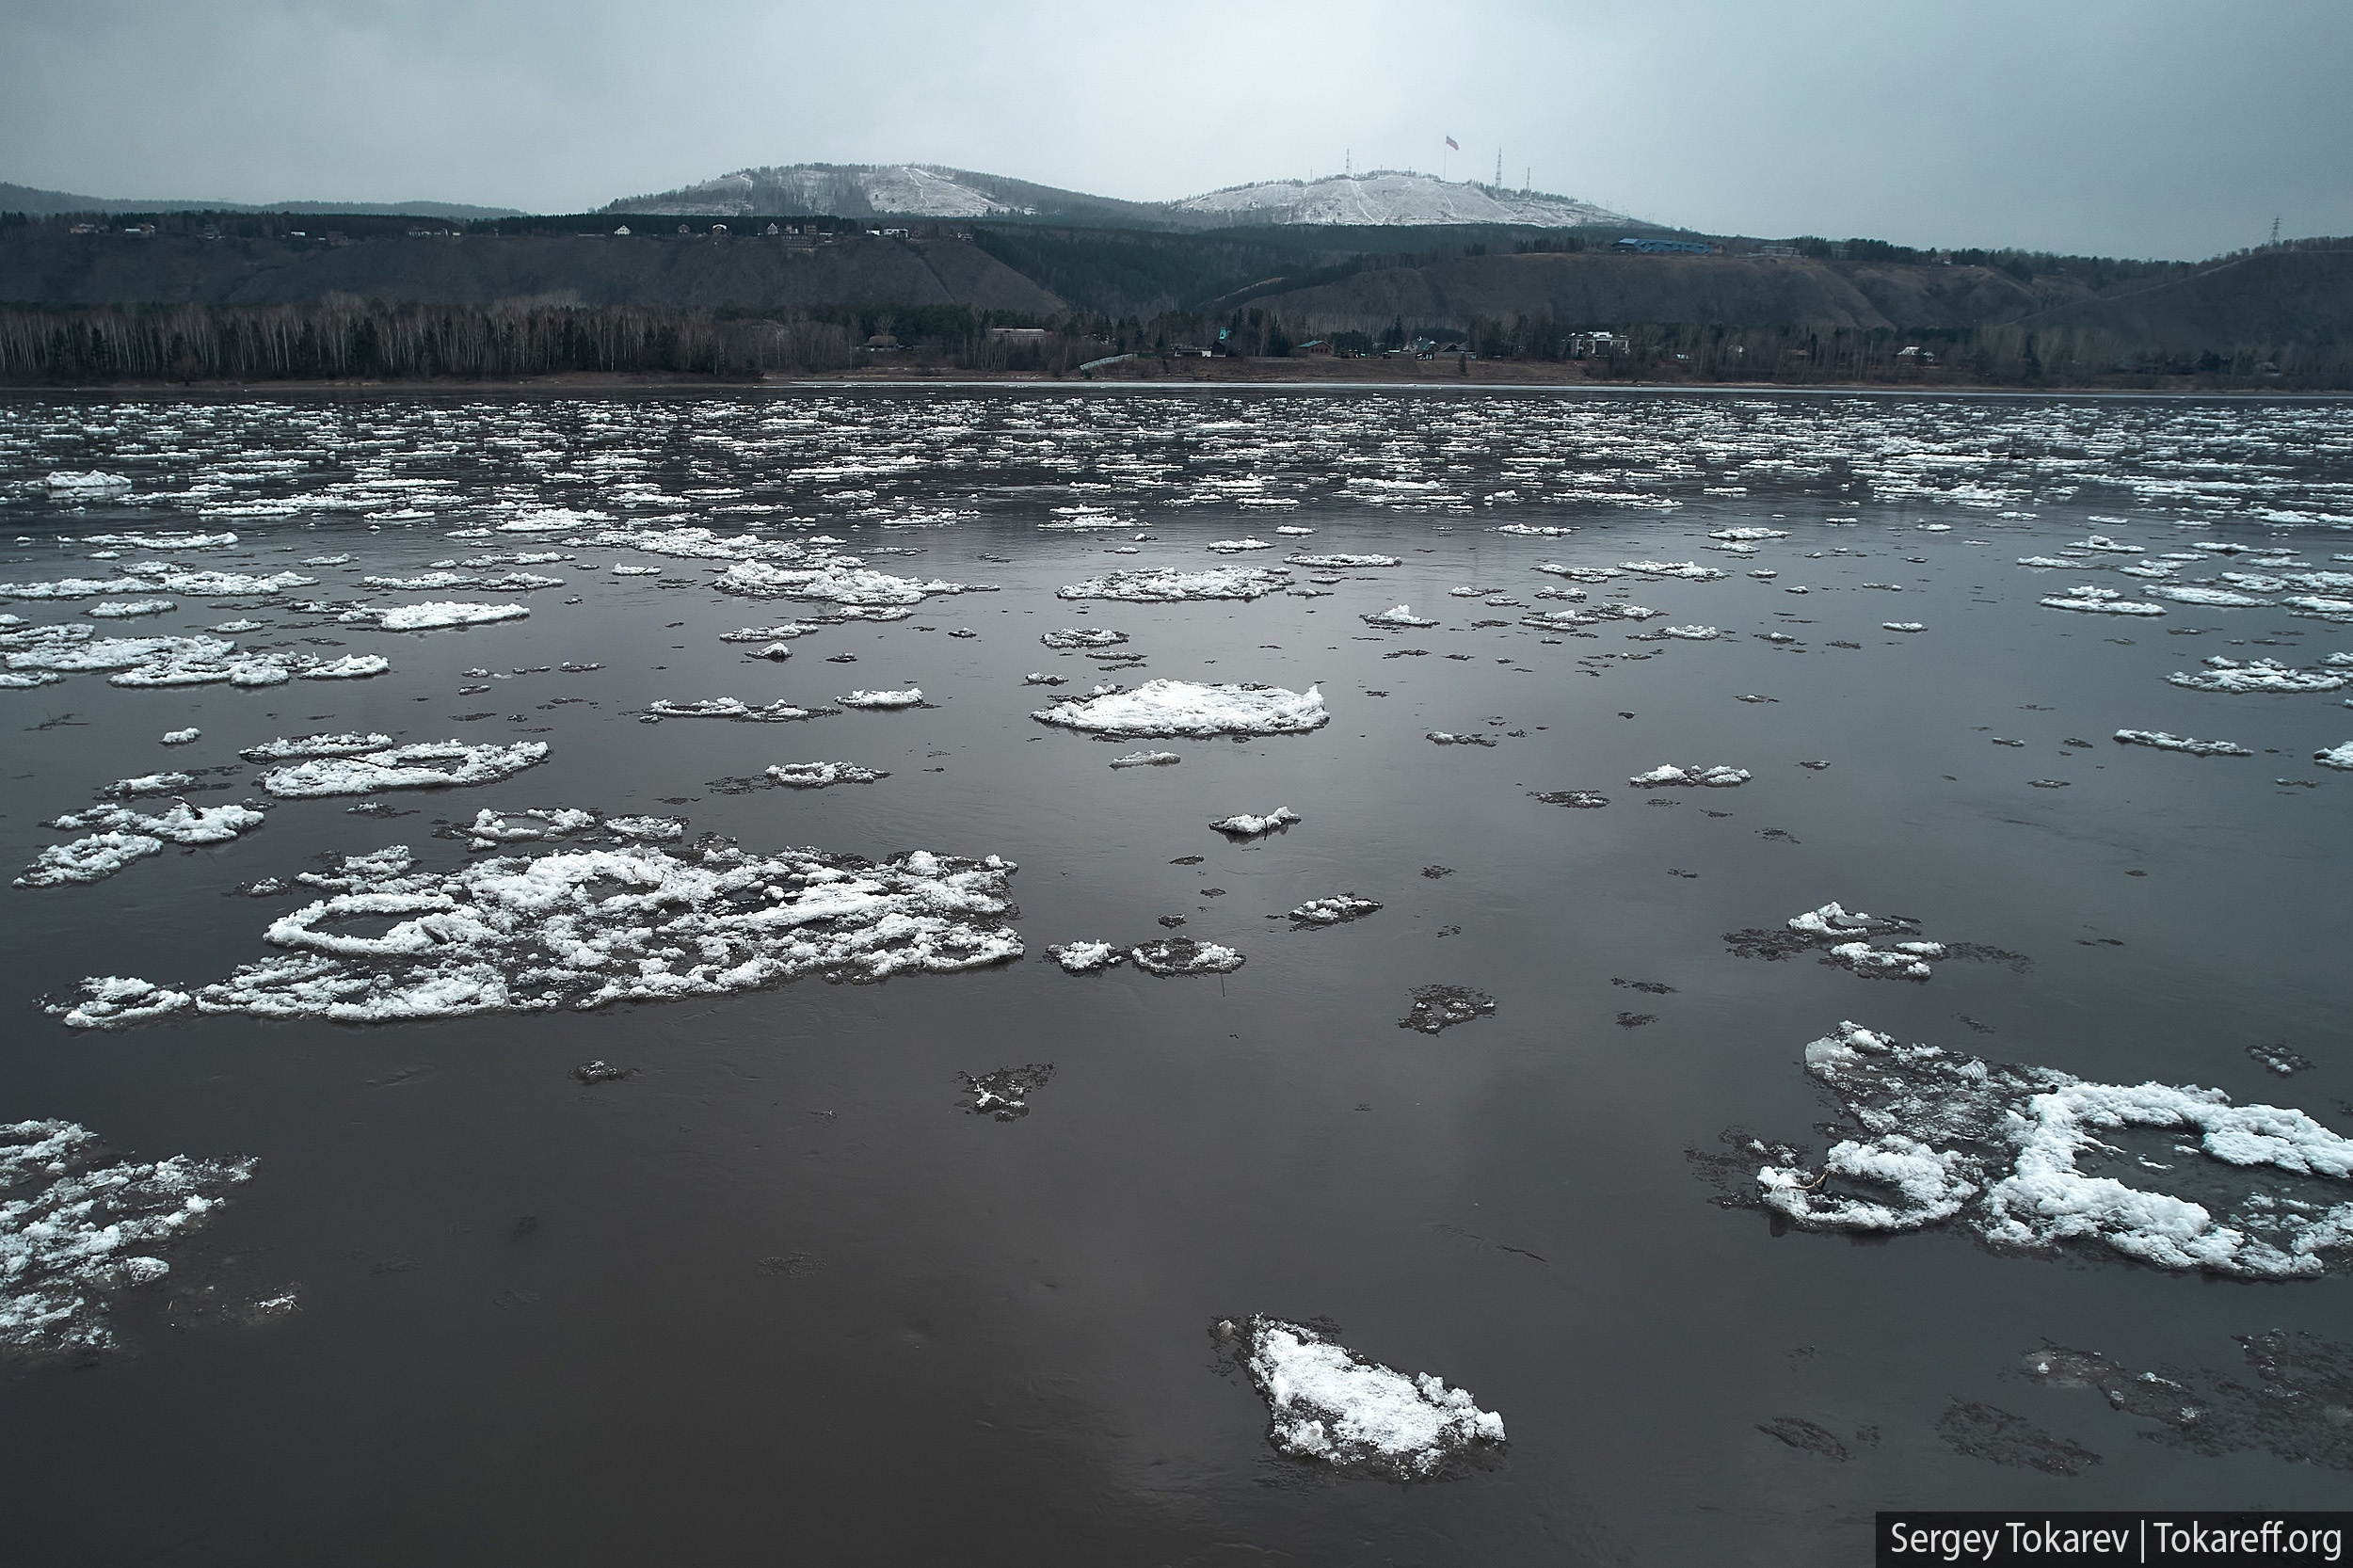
x=2224, y=674
x=1334, y=562
x=840, y=580
x=161, y=577
x=36, y=655
x=2164, y=741
x=2003, y=1151
x=823, y=776
x=2105, y=602
x=1690, y=571
x=494, y=830
x=1082, y=637
x=779, y=711
x=124, y=835
x=2219, y=599
x=1329, y=1403
x=1168, y=584
x=911, y=698
x=1718, y=777
x=582, y=928
x=434, y=616
x=78, y=1227
x=426, y=765
x=1189, y=708
x=2336, y=757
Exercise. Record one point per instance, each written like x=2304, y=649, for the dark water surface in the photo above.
x=777, y=1297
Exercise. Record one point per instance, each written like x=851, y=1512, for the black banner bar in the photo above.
x=2161, y=1536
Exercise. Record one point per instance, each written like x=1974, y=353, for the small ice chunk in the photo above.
x=1330, y=1404
x=1236, y=547
x=2336, y=757
x=823, y=776
x=2260, y=675
x=438, y=614
x=1339, y=909
x=1396, y=616
x=2105, y=602
x=1175, y=956
x=429, y=765
x=1901, y=626
x=1164, y=584
x=181, y=737
x=741, y=712
x=1718, y=777
x=1332, y=562
x=123, y=609
x=1146, y=760
x=2164, y=741
x=1160, y=708
x=1085, y=957
x=1243, y=825
x=1082, y=637
x=911, y=698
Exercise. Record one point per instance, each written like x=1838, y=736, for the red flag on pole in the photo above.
x=1456, y=145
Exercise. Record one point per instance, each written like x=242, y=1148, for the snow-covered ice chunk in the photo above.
x=354, y=667
x=835, y=582
x=1718, y=777
x=2105, y=602
x=1190, y=708
x=1450, y=738
x=77, y=1228
x=2260, y=675
x=86, y=860
x=1577, y=574
x=1743, y=535
x=1532, y=531
x=1334, y=562
x=1687, y=634
x=1146, y=760
x=1396, y=616
x=1235, y=547
x=349, y=744
x=1242, y=825
x=1441, y=1007
x=1166, y=584
x=1082, y=637
x=124, y=608
x=911, y=698
x=823, y=776
x=1689, y=571
x=584, y=928
x=1175, y=956
x=1085, y=957
x=1901, y=626
x=2336, y=757
x=2164, y=741
x=2002, y=1150
x=434, y=615
x=70, y=485
x=181, y=737
x=150, y=784
x=779, y=711
x=1039, y=678
x=2220, y=598
x=1292, y=531
x=1339, y=909
x=428, y=765
x=1330, y=1404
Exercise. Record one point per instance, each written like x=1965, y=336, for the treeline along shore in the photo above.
x=351, y=342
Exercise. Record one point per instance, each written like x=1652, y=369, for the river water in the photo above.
x=780, y=1294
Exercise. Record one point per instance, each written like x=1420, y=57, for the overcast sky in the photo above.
x=2137, y=127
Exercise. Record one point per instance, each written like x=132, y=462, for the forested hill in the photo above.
x=45, y=264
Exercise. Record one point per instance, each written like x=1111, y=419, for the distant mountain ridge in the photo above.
x=51, y=203
x=1385, y=198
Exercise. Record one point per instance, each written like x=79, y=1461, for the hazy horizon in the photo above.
x=2175, y=128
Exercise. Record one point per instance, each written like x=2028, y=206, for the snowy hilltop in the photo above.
x=1393, y=197
x=1383, y=197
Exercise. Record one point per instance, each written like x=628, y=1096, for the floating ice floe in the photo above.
x=2002, y=1150
x=823, y=776
x=1330, y=1404
x=1004, y=1095
x=2105, y=602
x=1082, y=637
x=1846, y=939
x=85, y=860
x=1398, y=615
x=2219, y=599
x=1175, y=956
x=1718, y=777
x=26, y=680
x=911, y=698
x=1243, y=825
x=779, y=711
x=154, y=577
x=181, y=737
x=1339, y=909
x=1902, y=626
x=1334, y=562
x=1146, y=760
x=283, y=750
x=86, y=485
x=770, y=634
x=1189, y=708
x=582, y=928
x=1569, y=620
x=77, y=1229
x=126, y=609
x=1744, y=535
x=1039, y=678
x=1689, y=571
x=429, y=765
x=1577, y=574
x=2336, y=757
x=1293, y=530
x=435, y=615
x=1236, y=547
x=1686, y=633
x=834, y=584
x=1583, y=800
x=1166, y=584
x=1532, y=531
x=2164, y=741
x=149, y=784
x=170, y=540
x=2317, y=607
x=2260, y=675
x=1086, y=957
x=1441, y=1007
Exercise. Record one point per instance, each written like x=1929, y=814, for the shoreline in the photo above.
x=590, y=384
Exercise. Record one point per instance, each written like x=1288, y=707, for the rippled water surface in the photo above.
x=780, y=1290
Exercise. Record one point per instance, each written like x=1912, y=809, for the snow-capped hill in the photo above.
x=1392, y=197
x=917, y=190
